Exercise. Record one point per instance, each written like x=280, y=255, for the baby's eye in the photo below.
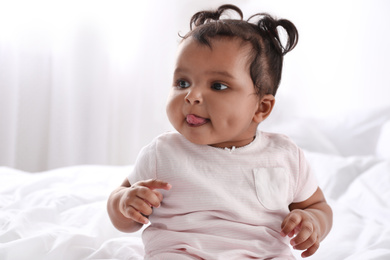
x=182, y=84
x=218, y=86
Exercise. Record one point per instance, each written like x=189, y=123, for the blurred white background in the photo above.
x=85, y=82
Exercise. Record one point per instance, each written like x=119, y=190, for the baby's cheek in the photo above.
x=173, y=110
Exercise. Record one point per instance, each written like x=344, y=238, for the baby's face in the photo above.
x=213, y=100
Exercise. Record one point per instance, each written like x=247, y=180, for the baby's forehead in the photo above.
x=214, y=44
x=222, y=52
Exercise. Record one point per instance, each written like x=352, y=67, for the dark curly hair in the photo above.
x=260, y=30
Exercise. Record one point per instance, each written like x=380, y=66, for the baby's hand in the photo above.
x=306, y=229
x=137, y=201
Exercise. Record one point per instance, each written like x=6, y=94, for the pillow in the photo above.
x=358, y=133
x=306, y=134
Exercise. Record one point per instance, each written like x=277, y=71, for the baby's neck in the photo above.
x=233, y=145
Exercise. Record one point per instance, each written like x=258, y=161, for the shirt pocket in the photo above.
x=272, y=187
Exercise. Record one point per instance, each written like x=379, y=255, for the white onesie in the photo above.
x=224, y=203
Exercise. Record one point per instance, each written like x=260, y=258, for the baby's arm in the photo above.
x=310, y=221
x=128, y=205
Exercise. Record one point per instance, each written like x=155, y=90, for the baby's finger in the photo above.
x=311, y=250
x=149, y=196
x=158, y=194
x=306, y=244
x=142, y=206
x=156, y=184
x=138, y=204
x=295, y=231
x=290, y=223
x=305, y=238
x=135, y=215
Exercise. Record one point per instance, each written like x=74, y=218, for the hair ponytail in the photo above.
x=268, y=27
x=203, y=17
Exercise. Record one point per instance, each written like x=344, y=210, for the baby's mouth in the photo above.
x=194, y=120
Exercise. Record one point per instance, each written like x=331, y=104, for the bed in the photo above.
x=61, y=213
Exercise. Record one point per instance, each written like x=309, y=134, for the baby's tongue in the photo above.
x=195, y=120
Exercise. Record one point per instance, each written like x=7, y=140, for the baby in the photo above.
x=218, y=188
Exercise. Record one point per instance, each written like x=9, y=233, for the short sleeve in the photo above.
x=145, y=165
x=307, y=182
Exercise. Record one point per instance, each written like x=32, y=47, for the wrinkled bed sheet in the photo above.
x=61, y=214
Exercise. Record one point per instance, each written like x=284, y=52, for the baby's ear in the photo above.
x=264, y=109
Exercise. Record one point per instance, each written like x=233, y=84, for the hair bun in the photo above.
x=203, y=17
x=268, y=27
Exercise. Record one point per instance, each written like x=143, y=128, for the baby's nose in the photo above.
x=194, y=96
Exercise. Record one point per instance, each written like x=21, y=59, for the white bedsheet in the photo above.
x=61, y=214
